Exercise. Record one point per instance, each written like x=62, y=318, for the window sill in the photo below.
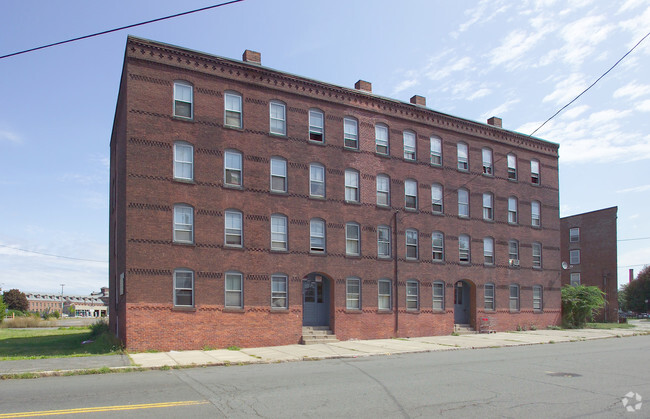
x=185, y=181
x=514, y=311
x=234, y=128
x=489, y=265
x=184, y=308
x=465, y=263
x=353, y=311
x=353, y=149
x=488, y=175
x=383, y=155
x=182, y=118
x=411, y=209
x=317, y=198
x=384, y=258
x=410, y=160
x=412, y=260
x=353, y=256
x=187, y=244
x=439, y=311
x=353, y=202
x=279, y=310
x=314, y=142
x=438, y=213
x=438, y=261
x=276, y=135
x=463, y=170
x=383, y=207
x=384, y=311
x=436, y=165
x=279, y=251
x=538, y=311
x=513, y=180
x=412, y=311
x=234, y=310
x=233, y=187
x=317, y=254
x=230, y=247
x=463, y=217
x=278, y=193
x=489, y=220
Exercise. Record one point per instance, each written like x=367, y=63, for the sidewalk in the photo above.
x=346, y=349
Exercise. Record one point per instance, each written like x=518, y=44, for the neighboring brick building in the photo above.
x=589, y=253
x=85, y=306
x=247, y=203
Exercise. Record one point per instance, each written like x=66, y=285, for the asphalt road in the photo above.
x=587, y=378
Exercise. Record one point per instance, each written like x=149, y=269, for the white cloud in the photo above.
x=517, y=43
x=643, y=106
x=403, y=85
x=630, y=5
x=454, y=66
x=484, y=12
x=500, y=110
x=479, y=94
x=641, y=188
x=574, y=112
x=567, y=89
x=632, y=90
x=10, y=136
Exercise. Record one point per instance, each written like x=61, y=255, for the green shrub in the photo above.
x=98, y=328
x=580, y=303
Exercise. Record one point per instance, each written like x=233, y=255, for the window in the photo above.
x=438, y=289
x=352, y=239
x=383, y=241
x=351, y=185
x=534, y=172
x=537, y=255
x=234, y=290
x=574, y=257
x=350, y=133
x=411, y=194
x=233, y=110
x=436, y=151
x=513, y=252
x=436, y=198
x=575, y=279
x=463, y=203
x=512, y=167
x=317, y=180
x=279, y=232
x=279, y=291
x=437, y=246
x=384, y=294
x=463, y=157
x=183, y=288
x=537, y=298
x=233, y=168
x=488, y=297
x=488, y=206
x=412, y=295
x=183, y=224
x=183, y=161
x=487, y=162
x=512, y=210
x=353, y=294
x=316, y=126
x=514, y=297
x=183, y=100
x=463, y=248
x=488, y=251
x=278, y=118
x=381, y=138
x=411, y=244
x=409, y=145
x=317, y=235
x=574, y=235
x=278, y=174
x=233, y=230
x=383, y=190
x=535, y=218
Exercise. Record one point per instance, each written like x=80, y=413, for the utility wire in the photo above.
x=51, y=255
x=638, y=238
x=120, y=28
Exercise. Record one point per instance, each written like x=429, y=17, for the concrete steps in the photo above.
x=464, y=329
x=317, y=334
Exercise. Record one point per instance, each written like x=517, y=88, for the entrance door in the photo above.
x=461, y=302
x=315, y=301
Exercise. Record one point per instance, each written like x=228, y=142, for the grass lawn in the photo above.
x=52, y=343
x=609, y=326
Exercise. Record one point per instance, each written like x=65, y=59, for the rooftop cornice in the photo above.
x=187, y=59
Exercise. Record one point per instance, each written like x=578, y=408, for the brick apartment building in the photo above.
x=589, y=253
x=247, y=203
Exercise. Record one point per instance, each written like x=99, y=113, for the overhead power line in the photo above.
x=638, y=238
x=214, y=6
x=51, y=255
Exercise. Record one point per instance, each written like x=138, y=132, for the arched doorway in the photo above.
x=462, y=302
x=315, y=300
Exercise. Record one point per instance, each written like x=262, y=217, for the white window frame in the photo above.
x=412, y=295
x=279, y=292
x=384, y=300
x=512, y=166
x=183, y=163
x=383, y=242
x=463, y=203
x=513, y=250
x=538, y=300
x=411, y=238
x=535, y=214
x=514, y=295
x=574, y=257
x=278, y=172
x=181, y=97
x=462, y=153
x=277, y=118
x=279, y=232
x=437, y=199
x=232, y=170
x=381, y=139
x=230, y=291
x=410, y=148
x=233, y=110
x=352, y=243
x=575, y=279
x=574, y=235
x=183, y=225
x=438, y=295
x=411, y=191
x=435, y=150
x=489, y=297
x=183, y=288
x=535, y=177
x=488, y=165
x=315, y=180
x=233, y=228
x=352, y=192
x=383, y=190
x=352, y=296
x=537, y=255
x=317, y=126
x=488, y=251
x=488, y=206
x=464, y=253
x=317, y=235
x=512, y=210
x=437, y=246
x=350, y=133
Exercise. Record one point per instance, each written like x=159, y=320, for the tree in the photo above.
x=580, y=303
x=638, y=291
x=3, y=308
x=16, y=300
x=71, y=310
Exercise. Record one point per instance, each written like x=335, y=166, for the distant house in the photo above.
x=93, y=305
x=589, y=255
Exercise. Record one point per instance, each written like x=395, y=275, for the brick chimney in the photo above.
x=252, y=57
x=363, y=85
x=494, y=121
x=419, y=100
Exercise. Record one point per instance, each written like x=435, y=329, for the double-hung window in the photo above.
x=574, y=257
x=535, y=211
x=488, y=206
x=575, y=279
x=183, y=161
x=233, y=229
x=534, y=172
x=381, y=138
x=351, y=185
x=279, y=298
x=353, y=294
x=278, y=174
x=317, y=235
x=183, y=288
x=512, y=210
x=233, y=168
x=488, y=251
x=316, y=126
x=279, y=232
x=317, y=181
x=488, y=169
x=350, y=133
x=411, y=194
x=436, y=198
x=234, y=290
x=463, y=157
x=183, y=100
x=278, y=118
x=233, y=110
x=463, y=203
x=383, y=190
x=537, y=255
x=411, y=244
x=409, y=145
x=436, y=150
x=383, y=241
x=438, y=290
x=488, y=297
x=463, y=248
x=352, y=239
x=513, y=252
x=183, y=224
x=412, y=295
x=514, y=297
x=538, y=298
x=384, y=294
x=574, y=234
x=512, y=167
x=437, y=246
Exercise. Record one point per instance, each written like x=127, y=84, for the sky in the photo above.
x=519, y=60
